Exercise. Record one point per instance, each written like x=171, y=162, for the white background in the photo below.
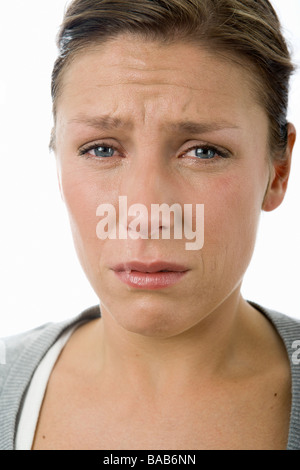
x=40, y=277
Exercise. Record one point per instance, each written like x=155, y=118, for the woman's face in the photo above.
x=158, y=124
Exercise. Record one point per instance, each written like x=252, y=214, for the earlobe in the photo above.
x=280, y=171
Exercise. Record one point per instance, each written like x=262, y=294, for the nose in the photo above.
x=149, y=186
x=148, y=181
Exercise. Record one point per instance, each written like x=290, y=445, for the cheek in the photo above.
x=231, y=218
x=82, y=195
x=83, y=189
x=81, y=202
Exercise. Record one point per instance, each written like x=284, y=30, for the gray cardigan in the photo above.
x=24, y=352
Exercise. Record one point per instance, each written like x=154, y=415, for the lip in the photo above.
x=152, y=267
x=154, y=275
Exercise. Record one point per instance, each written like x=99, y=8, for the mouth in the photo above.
x=155, y=275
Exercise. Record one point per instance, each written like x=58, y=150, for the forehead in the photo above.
x=128, y=73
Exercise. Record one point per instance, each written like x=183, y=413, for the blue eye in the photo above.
x=205, y=153
x=103, y=151
x=100, y=151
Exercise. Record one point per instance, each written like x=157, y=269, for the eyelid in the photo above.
x=223, y=153
x=93, y=145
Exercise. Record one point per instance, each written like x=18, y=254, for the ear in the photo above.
x=279, y=175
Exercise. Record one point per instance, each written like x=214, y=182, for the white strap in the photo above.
x=35, y=394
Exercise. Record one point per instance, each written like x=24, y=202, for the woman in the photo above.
x=160, y=107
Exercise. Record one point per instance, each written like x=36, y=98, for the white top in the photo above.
x=35, y=394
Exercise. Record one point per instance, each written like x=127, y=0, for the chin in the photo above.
x=157, y=320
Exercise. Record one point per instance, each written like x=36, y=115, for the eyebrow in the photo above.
x=107, y=122
x=200, y=127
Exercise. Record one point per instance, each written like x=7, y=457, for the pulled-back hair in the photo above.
x=248, y=30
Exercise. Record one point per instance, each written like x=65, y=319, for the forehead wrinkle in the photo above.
x=105, y=122
x=158, y=83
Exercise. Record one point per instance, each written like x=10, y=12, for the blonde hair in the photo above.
x=248, y=30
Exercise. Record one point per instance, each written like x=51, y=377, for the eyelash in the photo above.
x=223, y=154
x=83, y=152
